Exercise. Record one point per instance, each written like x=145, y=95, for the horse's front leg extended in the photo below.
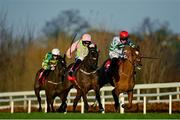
x=86, y=106
x=78, y=96
x=37, y=91
x=130, y=97
x=52, y=101
x=63, y=97
x=101, y=109
x=48, y=104
x=115, y=94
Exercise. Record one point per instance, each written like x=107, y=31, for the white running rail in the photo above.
x=144, y=93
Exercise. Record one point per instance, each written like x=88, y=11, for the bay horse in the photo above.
x=57, y=85
x=54, y=85
x=87, y=78
x=121, y=75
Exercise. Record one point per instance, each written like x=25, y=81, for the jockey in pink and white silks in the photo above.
x=81, y=48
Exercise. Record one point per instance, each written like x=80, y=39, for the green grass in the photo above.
x=88, y=116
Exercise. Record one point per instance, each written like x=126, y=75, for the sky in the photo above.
x=112, y=14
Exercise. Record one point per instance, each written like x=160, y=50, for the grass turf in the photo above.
x=88, y=116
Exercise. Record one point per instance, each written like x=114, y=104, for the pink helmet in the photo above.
x=86, y=37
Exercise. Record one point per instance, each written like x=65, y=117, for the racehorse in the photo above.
x=121, y=75
x=54, y=85
x=87, y=78
x=57, y=85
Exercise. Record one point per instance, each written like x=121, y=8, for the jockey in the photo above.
x=81, y=48
x=116, y=47
x=50, y=61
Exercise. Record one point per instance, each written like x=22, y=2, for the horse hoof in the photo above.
x=101, y=110
x=126, y=107
x=123, y=105
x=93, y=105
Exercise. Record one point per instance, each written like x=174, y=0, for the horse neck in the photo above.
x=55, y=75
x=86, y=66
x=126, y=67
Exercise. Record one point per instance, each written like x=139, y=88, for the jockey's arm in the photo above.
x=114, y=45
x=46, y=65
x=46, y=61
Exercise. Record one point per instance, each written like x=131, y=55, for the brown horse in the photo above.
x=57, y=85
x=121, y=75
x=87, y=78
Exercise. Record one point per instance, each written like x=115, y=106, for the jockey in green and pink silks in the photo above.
x=49, y=62
x=81, y=48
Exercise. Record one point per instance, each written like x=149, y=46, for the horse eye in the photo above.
x=136, y=52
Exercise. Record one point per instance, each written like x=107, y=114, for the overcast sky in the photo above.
x=112, y=14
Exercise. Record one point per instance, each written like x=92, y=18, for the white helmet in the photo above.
x=55, y=51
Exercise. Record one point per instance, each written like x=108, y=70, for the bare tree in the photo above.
x=156, y=41
x=68, y=21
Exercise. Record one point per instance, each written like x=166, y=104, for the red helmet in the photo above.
x=123, y=35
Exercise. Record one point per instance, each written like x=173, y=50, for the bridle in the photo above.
x=63, y=63
x=93, y=58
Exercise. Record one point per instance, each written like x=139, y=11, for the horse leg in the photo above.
x=130, y=97
x=101, y=109
x=48, y=104
x=37, y=93
x=115, y=94
x=49, y=98
x=86, y=106
x=52, y=101
x=78, y=96
x=63, y=97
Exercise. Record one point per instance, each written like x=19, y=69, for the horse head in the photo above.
x=91, y=60
x=61, y=67
x=133, y=55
